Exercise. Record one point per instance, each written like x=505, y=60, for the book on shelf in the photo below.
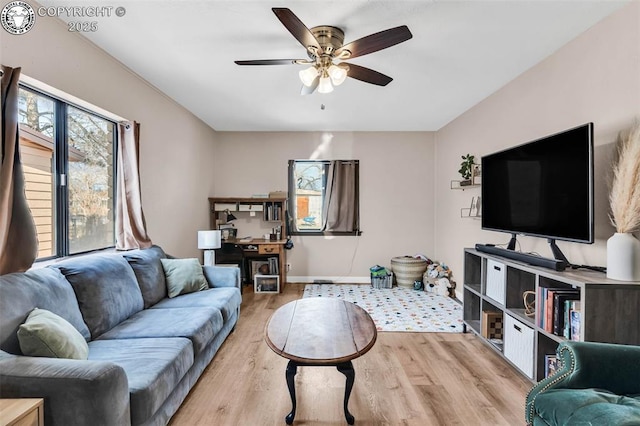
x=273, y=266
x=576, y=319
x=553, y=310
x=559, y=299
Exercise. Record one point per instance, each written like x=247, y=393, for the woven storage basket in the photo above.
x=408, y=269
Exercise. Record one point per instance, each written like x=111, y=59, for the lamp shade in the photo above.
x=338, y=74
x=209, y=240
x=308, y=75
x=325, y=85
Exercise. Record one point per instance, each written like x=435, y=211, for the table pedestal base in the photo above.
x=345, y=368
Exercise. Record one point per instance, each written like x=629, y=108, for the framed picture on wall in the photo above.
x=476, y=174
x=228, y=232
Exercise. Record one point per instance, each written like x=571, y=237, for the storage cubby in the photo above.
x=473, y=272
x=495, y=285
x=471, y=310
x=546, y=346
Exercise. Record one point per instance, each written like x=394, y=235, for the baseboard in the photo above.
x=335, y=280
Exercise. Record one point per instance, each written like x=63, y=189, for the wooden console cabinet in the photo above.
x=21, y=412
x=494, y=286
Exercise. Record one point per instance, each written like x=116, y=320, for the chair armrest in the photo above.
x=222, y=276
x=75, y=392
x=587, y=365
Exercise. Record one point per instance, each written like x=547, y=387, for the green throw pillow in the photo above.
x=49, y=335
x=183, y=276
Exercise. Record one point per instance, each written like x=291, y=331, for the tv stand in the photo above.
x=512, y=243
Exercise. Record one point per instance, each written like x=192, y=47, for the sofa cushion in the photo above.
x=44, y=288
x=226, y=299
x=149, y=273
x=183, y=276
x=587, y=406
x=49, y=335
x=199, y=325
x=154, y=367
x=106, y=289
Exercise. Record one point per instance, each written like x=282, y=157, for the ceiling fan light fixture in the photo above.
x=308, y=75
x=325, y=85
x=338, y=74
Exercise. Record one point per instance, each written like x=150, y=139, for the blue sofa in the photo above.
x=146, y=351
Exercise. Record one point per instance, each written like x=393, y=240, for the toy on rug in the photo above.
x=437, y=279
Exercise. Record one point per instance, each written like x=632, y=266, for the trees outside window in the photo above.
x=68, y=155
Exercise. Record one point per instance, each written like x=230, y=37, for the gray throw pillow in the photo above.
x=49, y=335
x=183, y=276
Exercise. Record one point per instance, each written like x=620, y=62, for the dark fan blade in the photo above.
x=367, y=75
x=296, y=27
x=268, y=62
x=309, y=90
x=374, y=42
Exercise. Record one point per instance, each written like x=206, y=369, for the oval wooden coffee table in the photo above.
x=320, y=331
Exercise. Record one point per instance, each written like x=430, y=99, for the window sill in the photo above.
x=53, y=260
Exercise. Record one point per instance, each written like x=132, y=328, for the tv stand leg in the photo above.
x=557, y=253
x=512, y=242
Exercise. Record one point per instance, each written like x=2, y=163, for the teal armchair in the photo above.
x=598, y=384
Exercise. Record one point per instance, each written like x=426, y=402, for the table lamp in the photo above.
x=209, y=241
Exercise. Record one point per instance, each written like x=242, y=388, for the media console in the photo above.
x=556, y=265
x=493, y=289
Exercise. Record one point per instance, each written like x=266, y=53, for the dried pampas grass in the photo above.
x=624, y=197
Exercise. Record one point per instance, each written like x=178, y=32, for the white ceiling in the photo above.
x=461, y=52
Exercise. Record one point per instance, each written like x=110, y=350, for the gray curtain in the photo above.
x=340, y=209
x=131, y=227
x=18, y=238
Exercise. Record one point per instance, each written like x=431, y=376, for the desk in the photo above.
x=241, y=252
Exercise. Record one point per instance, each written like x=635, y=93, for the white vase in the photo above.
x=623, y=257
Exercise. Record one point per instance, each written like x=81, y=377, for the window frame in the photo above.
x=60, y=192
x=293, y=229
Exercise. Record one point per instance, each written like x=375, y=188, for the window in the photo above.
x=324, y=197
x=68, y=157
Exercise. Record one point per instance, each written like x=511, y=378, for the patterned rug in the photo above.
x=398, y=308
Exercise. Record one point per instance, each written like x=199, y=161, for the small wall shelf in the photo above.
x=465, y=213
x=456, y=184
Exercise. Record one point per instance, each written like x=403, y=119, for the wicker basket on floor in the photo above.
x=408, y=269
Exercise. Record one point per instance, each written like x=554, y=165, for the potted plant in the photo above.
x=623, y=248
x=465, y=169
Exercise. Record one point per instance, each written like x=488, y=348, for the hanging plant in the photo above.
x=466, y=166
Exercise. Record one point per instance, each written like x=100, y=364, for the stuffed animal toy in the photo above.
x=437, y=279
x=442, y=286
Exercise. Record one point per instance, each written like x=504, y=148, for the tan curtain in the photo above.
x=18, y=238
x=340, y=210
x=131, y=228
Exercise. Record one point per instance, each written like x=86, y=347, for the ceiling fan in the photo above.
x=324, y=45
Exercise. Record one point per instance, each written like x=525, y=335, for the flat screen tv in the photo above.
x=543, y=188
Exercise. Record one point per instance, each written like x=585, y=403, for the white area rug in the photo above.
x=398, y=308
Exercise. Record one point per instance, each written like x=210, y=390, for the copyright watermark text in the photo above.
x=18, y=17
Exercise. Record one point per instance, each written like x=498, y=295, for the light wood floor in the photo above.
x=405, y=379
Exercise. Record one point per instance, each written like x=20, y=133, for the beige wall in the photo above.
x=176, y=148
x=407, y=206
x=595, y=77
x=396, y=186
